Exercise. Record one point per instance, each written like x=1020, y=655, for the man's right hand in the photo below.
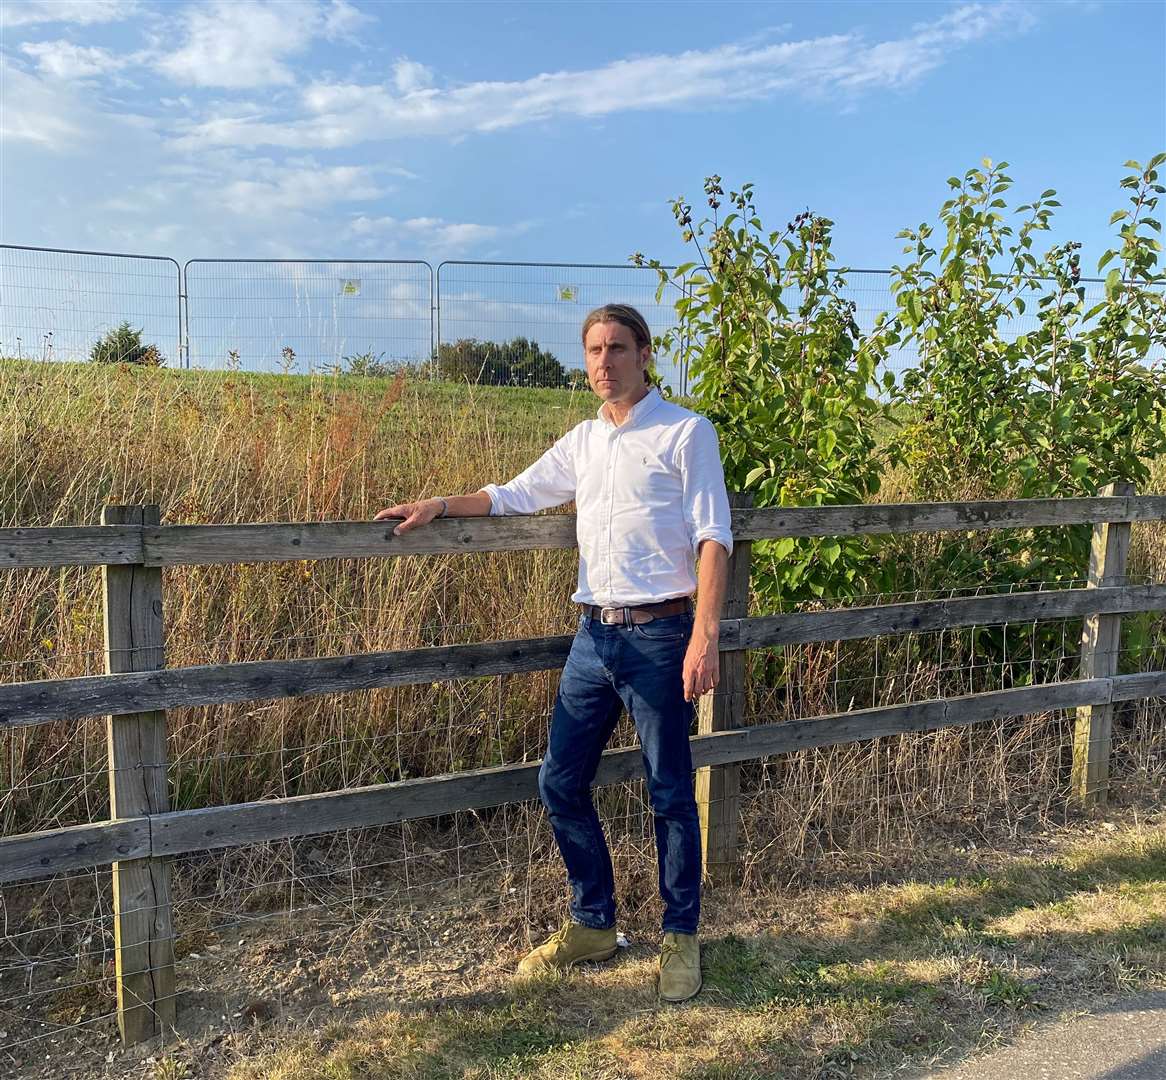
x=414, y=513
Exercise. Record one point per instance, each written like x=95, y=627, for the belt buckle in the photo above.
x=605, y=611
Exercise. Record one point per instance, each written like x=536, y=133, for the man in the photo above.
x=650, y=496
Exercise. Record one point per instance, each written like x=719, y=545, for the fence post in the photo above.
x=1100, y=642
x=143, y=934
x=718, y=787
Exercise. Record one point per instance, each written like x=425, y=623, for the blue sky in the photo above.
x=553, y=131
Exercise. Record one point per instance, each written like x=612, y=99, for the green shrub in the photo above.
x=1058, y=411
x=791, y=385
x=123, y=345
x=367, y=363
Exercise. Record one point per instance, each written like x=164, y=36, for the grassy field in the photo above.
x=214, y=447
x=236, y=447
x=831, y=983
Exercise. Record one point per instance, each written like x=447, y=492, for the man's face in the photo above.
x=615, y=367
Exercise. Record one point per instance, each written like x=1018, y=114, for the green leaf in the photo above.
x=1113, y=283
x=1118, y=215
x=784, y=547
x=830, y=550
x=756, y=474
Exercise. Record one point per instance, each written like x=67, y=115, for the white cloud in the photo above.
x=343, y=20
x=836, y=66
x=83, y=12
x=237, y=44
x=64, y=60
x=291, y=188
x=408, y=75
x=33, y=111
x=901, y=62
x=429, y=233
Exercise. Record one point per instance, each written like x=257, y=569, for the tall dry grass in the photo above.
x=229, y=447
x=214, y=448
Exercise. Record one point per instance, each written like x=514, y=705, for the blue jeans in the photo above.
x=637, y=668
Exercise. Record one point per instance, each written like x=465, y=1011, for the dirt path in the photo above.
x=1125, y=1040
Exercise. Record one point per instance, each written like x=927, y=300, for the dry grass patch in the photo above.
x=846, y=982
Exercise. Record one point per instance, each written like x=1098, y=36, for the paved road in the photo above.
x=1125, y=1040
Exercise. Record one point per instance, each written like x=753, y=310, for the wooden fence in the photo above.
x=132, y=548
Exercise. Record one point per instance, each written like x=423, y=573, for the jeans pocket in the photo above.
x=670, y=628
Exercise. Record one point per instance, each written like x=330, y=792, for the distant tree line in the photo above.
x=518, y=362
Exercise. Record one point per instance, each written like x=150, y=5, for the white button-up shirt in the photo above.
x=646, y=493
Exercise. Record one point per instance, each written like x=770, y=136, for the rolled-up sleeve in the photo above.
x=548, y=482
x=706, y=500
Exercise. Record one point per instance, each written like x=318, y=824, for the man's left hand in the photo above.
x=702, y=665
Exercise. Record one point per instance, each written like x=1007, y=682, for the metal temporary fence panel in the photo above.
x=56, y=303
x=545, y=304
x=304, y=316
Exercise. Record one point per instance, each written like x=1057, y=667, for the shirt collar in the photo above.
x=639, y=410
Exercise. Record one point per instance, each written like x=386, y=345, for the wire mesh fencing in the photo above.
x=299, y=317
x=61, y=304
x=491, y=323
x=505, y=323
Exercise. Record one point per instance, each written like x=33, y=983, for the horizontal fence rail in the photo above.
x=184, y=831
x=52, y=700
x=203, y=545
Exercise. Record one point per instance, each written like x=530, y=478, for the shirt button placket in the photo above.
x=610, y=502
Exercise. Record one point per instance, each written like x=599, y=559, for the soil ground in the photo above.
x=927, y=964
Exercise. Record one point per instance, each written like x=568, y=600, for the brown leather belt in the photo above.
x=638, y=613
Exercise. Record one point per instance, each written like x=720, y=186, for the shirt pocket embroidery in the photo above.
x=653, y=482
